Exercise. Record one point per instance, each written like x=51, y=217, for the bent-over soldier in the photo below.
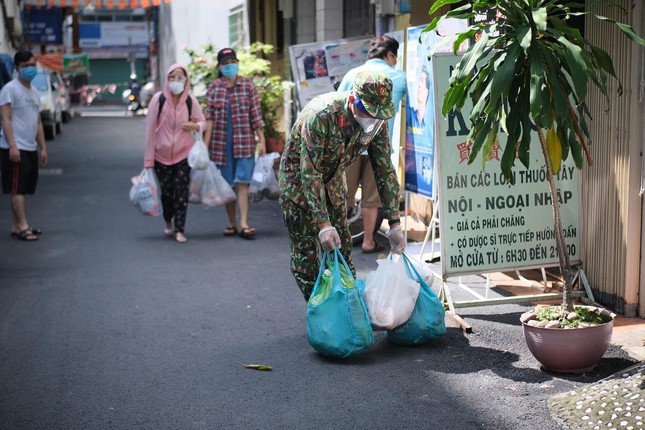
x=329, y=134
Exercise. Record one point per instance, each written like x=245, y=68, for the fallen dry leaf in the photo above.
x=257, y=366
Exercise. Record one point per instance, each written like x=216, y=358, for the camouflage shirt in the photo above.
x=323, y=142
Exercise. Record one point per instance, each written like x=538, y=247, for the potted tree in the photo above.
x=254, y=65
x=530, y=69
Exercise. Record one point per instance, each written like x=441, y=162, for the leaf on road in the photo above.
x=257, y=366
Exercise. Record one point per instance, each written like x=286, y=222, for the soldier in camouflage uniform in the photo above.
x=329, y=134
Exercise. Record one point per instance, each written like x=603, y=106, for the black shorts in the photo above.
x=19, y=178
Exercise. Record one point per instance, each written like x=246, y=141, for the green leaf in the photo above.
x=525, y=142
x=576, y=148
x=540, y=18
x=577, y=67
x=471, y=58
x=487, y=149
x=629, y=32
x=537, y=85
x=441, y=3
x=461, y=37
x=564, y=141
x=505, y=71
x=454, y=98
x=525, y=36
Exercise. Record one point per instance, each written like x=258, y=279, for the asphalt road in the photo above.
x=107, y=324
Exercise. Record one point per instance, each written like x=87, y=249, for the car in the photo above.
x=51, y=109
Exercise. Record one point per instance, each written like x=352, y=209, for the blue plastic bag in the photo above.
x=427, y=322
x=338, y=326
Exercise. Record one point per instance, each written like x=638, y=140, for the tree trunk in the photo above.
x=563, y=255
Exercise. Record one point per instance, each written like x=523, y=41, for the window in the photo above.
x=358, y=18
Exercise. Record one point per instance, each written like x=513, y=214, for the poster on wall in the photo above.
x=316, y=67
x=487, y=224
x=419, y=174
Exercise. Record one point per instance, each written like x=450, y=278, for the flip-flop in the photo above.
x=34, y=230
x=377, y=248
x=26, y=235
x=231, y=230
x=247, y=233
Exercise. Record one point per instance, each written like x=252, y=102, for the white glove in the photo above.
x=329, y=238
x=397, y=241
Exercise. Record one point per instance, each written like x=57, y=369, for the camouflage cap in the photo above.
x=374, y=89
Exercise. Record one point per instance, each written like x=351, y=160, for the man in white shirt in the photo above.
x=22, y=135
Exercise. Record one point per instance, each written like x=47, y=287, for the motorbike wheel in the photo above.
x=134, y=107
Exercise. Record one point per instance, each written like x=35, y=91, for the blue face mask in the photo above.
x=229, y=70
x=28, y=73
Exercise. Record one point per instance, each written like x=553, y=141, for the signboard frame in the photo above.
x=472, y=220
x=491, y=194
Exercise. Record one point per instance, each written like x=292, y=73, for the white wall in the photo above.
x=192, y=23
x=13, y=11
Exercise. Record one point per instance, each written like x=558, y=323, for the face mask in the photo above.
x=368, y=124
x=229, y=70
x=28, y=73
x=176, y=87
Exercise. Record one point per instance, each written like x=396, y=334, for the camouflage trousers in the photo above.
x=305, y=245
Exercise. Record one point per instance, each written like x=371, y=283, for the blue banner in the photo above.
x=44, y=25
x=419, y=125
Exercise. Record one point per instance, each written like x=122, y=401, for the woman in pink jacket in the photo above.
x=173, y=114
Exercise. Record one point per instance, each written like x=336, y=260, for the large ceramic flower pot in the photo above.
x=576, y=350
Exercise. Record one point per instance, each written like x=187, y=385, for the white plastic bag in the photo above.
x=390, y=293
x=423, y=269
x=195, y=186
x=145, y=192
x=264, y=183
x=198, y=155
x=215, y=190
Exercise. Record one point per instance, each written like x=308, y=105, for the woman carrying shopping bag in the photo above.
x=173, y=115
x=233, y=115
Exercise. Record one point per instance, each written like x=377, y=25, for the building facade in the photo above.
x=10, y=27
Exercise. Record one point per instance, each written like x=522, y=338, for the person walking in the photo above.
x=329, y=134
x=173, y=114
x=22, y=136
x=233, y=116
x=382, y=56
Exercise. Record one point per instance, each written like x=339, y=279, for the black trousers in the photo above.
x=174, y=181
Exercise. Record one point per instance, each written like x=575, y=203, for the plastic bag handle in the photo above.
x=337, y=280
x=320, y=272
x=409, y=265
x=342, y=259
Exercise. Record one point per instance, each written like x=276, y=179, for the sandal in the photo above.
x=376, y=249
x=180, y=238
x=34, y=230
x=247, y=233
x=231, y=230
x=26, y=235
x=168, y=231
